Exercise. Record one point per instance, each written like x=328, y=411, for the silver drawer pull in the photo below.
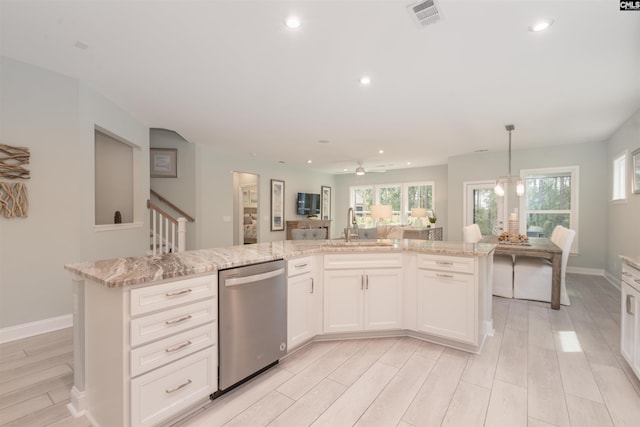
x=178, y=388
x=630, y=305
x=312, y=286
x=301, y=265
x=173, y=294
x=448, y=276
x=178, y=320
x=626, y=273
x=444, y=263
x=177, y=347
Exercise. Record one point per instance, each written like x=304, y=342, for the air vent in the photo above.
x=425, y=12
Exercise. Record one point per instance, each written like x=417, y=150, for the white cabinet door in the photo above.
x=447, y=305
x=628, y=323
x=383, y=299
x=301, y=310
x=343, y=300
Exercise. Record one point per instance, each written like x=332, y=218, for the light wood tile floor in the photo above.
x=542, y=368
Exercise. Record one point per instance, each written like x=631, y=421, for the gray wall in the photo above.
x=623, y=218
x=55, y=116
x=215, y=194
x=437, y=174
x=591, y=158
x=180, y=190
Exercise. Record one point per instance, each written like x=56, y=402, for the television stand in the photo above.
x=309, y=223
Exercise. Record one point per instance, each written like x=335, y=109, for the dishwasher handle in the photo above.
x=234, y=281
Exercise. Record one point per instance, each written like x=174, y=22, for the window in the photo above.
x=401, y=197
x=551, y=198
x=619, y=177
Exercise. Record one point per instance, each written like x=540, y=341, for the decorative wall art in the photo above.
x=277, y=205
x=164, y=162
x=14, y=200
x=325, y=210
x=12, y=161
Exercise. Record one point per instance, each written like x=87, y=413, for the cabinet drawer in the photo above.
x=160, y=325
x=446, y=263
x=298, y=266
x=154, y=355
x=368, y=260
x=165, y=392
x=631, y=276
x=167, y=295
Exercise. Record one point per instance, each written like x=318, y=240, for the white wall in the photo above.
x=55, y=116
x=622, y=219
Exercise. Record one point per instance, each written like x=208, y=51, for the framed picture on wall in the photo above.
x=635, y=171
x=325, y=207
x=163, y=162
x=277, y=205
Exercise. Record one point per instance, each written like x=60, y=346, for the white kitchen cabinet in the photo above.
x=304, y=301
x=448, y=298
x=151, y=351
x=357, y=299
x=630, y=317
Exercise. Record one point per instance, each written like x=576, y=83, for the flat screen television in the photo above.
x=308, y=204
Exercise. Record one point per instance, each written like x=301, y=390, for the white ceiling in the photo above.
x=229, y=74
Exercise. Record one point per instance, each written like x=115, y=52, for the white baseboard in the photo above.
x=38, y=327
x=615, y=281
x=587, y=271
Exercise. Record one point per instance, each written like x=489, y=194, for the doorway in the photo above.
x=247, y=218
x=484, y=207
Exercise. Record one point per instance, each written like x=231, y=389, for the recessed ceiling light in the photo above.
x=309, y=161
x=540, y=25
x=365, y=80
x=380, y=151
x=345, y=170
x=408, y=163
x=292, y=22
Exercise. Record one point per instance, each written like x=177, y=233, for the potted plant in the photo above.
x=432, y=219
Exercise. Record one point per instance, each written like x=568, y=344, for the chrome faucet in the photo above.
x=352, y=226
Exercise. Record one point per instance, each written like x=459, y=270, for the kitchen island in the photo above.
x=145, y=328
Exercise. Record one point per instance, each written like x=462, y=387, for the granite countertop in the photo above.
x=121, y=272
x=633, y=261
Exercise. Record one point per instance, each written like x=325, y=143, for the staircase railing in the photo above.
x=168, y=234
x=172, y=206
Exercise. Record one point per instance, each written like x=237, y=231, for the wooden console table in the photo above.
x=309, y=223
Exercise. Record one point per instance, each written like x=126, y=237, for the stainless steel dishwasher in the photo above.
x=252, y=322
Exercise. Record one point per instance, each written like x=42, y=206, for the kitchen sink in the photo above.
x=358, y=243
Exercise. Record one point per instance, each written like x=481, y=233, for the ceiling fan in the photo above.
x=361, y=171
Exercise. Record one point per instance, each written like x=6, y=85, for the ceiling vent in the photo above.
x=425, y=12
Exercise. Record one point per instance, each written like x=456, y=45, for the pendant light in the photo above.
x=501, y=181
